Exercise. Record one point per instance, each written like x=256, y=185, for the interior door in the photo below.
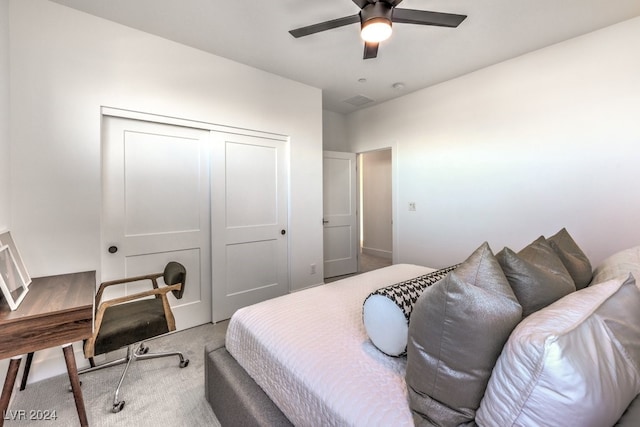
x=249, y=221
x=155, y=182
x=340, y=215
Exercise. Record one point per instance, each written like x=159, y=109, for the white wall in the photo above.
x=66, y=64
x=517, y=150
x=334, y=131
x=4, y=116
x=376, y=203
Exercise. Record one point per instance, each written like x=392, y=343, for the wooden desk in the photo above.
x=57, y=311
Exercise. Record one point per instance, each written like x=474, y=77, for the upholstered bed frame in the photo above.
x=238, y=400
x=233, y=395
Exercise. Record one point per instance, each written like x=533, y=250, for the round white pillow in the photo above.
x=386, y=311
x=386, y=324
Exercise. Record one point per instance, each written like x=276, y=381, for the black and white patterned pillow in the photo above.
x=386, y=311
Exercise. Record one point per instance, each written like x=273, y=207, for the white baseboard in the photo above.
x=380, y=253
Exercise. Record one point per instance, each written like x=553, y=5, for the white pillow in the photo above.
x=386, y=325
x=576, y=361
x=618, y=265
x=386, y=311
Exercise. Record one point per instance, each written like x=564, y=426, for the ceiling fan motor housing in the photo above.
x=378, y=11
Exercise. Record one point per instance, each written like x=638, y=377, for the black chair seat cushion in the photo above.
x=129, y=323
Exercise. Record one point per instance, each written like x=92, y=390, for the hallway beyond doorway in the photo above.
x=367, y=263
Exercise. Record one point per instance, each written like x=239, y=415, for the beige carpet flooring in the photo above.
x=157, y=392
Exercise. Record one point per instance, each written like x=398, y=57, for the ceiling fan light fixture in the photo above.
x=375, y=18
x=376, y=30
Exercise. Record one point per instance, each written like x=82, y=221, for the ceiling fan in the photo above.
x=375, y=19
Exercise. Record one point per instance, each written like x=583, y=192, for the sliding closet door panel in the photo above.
x=172, y=165
x=156, y=209
x=249, y=217
x=249, y=204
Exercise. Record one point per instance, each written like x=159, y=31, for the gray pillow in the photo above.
x=575, y=261
x=536, y=275
x=457, y=330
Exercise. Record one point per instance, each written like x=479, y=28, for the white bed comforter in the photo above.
x=310, y=353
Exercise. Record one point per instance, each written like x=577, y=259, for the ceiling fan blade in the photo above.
x=362, y=3
x=323, y=26
x=424, y=17
x=370, y=50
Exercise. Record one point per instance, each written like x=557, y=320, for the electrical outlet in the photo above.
x=312, y=268
x=412, y=206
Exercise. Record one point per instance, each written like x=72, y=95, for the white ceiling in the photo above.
x=255, y=33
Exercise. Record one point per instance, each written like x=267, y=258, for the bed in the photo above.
x=301, y=357
x=307, y=358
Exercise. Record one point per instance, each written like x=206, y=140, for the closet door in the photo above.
x=249, y=221
x=156, y=208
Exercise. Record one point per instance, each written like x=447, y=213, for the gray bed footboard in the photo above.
x=233, y=395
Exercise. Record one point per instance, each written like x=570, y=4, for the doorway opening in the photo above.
x=375, y=197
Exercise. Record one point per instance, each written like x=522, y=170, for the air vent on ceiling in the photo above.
x=358, y=100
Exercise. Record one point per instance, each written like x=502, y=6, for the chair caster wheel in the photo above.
x=184, y=363
x=143, y=350
x=117, y=407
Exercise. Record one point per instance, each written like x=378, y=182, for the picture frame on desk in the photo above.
x=12, y=284
x=7, y=239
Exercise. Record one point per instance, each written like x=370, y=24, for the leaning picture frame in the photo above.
x=13, y=286
x=7, y=239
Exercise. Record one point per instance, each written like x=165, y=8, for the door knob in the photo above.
x=113, y=249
